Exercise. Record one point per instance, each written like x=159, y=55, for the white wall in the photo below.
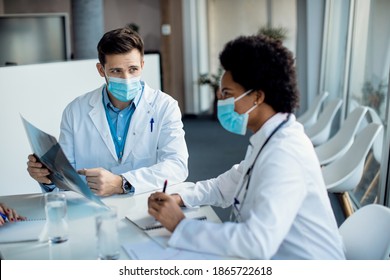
x=40, y=92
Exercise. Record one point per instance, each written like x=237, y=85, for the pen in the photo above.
x=165, y=186
x=151, y=124
x=4, y=216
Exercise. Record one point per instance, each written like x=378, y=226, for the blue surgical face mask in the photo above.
x=124, y=89
x=230, y=119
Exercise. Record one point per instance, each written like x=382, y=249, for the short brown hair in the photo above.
x=119, y=41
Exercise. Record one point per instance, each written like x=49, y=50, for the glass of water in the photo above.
x=107, y=234
x=56, y=218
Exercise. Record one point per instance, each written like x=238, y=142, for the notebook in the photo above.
x=22, y=231
x=155, y=230
x=149, y=223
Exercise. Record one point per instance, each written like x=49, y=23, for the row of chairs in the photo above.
x=342, y=157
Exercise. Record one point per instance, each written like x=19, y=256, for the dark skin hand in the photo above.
x=166, y=209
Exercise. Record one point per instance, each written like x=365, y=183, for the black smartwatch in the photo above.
x=126, y=186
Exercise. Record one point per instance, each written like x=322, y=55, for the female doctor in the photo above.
x=280, y=205
x=124, y=136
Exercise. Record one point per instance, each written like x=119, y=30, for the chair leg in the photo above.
x=370, y=188
x=368, y=161
x=346, y=204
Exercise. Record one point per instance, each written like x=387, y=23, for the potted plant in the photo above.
x=213, y=81
x=373, y=97
x=277, y=33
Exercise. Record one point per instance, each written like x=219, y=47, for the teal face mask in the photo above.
x=124, y=89
x=230, y=119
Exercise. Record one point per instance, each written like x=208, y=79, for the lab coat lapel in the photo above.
x=256, y=142
x=139, y=123
x=98, y=117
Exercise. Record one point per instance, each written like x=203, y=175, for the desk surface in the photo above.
x=82, y=243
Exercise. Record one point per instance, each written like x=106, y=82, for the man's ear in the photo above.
x=100, y=69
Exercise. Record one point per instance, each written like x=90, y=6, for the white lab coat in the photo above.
x=153, y=152
x=286, y=213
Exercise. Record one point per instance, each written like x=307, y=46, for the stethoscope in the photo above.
x=235, y=210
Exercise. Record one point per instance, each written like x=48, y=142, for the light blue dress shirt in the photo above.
x=118, y=121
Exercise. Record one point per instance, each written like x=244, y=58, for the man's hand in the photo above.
x=102, y=182
x=37, y=170
x=165, y=209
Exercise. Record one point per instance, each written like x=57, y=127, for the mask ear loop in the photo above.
x=251, y=109
x=242, y=95
x=106, y=77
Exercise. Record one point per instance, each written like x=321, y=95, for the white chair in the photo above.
x=345, y=173
x=320, y=131
x=369, y=189
x=343, y=139
x=366, y=233
x=377, y=149
x=308, y=118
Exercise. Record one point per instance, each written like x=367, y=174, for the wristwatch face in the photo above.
x=126, y=186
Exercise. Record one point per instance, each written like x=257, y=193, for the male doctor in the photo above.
x=124, y=137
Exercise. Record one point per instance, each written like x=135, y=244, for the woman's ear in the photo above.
x=260, y=96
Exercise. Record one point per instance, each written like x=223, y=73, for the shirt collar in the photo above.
x=267, y=128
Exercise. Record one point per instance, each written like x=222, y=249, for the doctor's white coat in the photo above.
x=286, y=213
x=155, y=148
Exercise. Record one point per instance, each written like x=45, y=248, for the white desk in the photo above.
x=81, y=219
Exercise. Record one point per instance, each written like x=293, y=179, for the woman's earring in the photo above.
x=255, y=103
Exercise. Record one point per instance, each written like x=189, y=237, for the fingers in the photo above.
x=92, y=172
x=165, y=209
x=32, y=158
x=159, y=196
x=101, y=181
x=37, y=171
x=82, y=171
x=158, y=201
x=10, y=213
x=155, y=203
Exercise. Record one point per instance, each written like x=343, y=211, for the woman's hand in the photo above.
x=165, y=209
x=11, y=214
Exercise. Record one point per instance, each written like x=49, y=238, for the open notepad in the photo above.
x=157, y=247
x=149, y=223
x=154, y=229
x=22, y=231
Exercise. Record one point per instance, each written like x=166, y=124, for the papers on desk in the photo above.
x=157, y=247
x=21, y=231
x=151, y=250
x=46, y=148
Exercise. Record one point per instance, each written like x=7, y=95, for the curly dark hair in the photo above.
x=261, y=63
x=119, y=41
